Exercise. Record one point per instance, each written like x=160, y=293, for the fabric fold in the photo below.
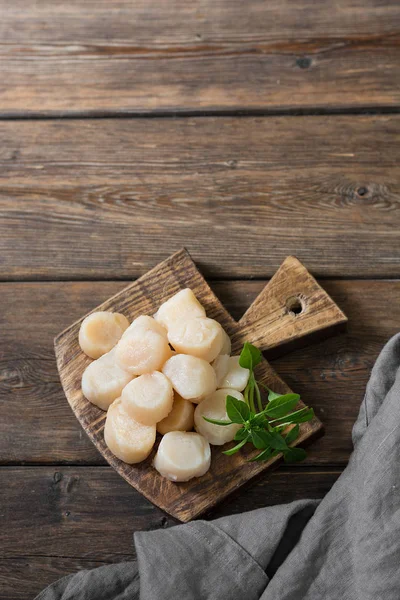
x=345, y=547
x=263, y=530
x=110, y=582
x=196, y=560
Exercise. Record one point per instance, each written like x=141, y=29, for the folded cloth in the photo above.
x=345, y=547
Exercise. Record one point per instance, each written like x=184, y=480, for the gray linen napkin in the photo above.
x=345, y=547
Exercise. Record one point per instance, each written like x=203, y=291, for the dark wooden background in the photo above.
x=245, y=131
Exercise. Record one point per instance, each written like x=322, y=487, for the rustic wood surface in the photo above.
x=71, y=506
x=337, y=368
x=270, y=323
x=212, y=54
x=109, y=199
x=88, y=200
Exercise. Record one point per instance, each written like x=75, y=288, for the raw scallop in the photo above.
x=180, y=418
x=100, y=331
x=142, y=351
x=148, y=398
x=129, y=440
x=236, y=377
x=182, y=455
x=214, y=407
x=221, y=366
x=145, y=323
x=201, y=337
x=193, y=378
x=227, y=345
x=103, y=380
x=181, y=307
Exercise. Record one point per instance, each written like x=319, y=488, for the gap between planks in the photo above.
x=295, y=468
x=185, y=113
x=211, y=279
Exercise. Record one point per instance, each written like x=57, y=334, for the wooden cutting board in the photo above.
x=291, y=309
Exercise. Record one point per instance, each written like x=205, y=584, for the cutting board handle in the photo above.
x=291, y=309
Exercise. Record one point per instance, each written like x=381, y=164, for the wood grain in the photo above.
x=290, y=311
x=108, y=199
x=215, y=55
x=98, y=199
x=188, y=500
x=332, y=374
x=73, y=528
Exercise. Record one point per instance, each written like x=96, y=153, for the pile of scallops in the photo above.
x=162, y=374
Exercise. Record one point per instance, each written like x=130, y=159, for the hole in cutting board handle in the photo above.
x=295, y=305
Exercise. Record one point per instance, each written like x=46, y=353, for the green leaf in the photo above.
x=241, y=434
x=260, y=438
x=250, y=356
x=265, y=455
x=281, y=405
x=292, y=435
x=235, y=448
x=271, y=394
x=306, y=416
x=265, y=428
x=276, y=441
x=216, y=422
x=260, y=419
x=300, y=416
x=295, y=455
x=237, y=410
x=245, y=359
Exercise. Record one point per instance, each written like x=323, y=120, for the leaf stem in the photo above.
x=235, y=448
x=259, y=401
x=263, y=385
x=246, y=396
x=251, y=399
x=290, y=416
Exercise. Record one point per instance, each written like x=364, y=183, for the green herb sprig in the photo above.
x=264, y=427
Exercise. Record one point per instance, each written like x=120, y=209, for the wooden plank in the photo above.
x=53, y=520
x=109, y=199
x=136, y=56
x=188, y=500
x=38, y=425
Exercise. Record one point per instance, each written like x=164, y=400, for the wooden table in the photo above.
x=244, y=131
